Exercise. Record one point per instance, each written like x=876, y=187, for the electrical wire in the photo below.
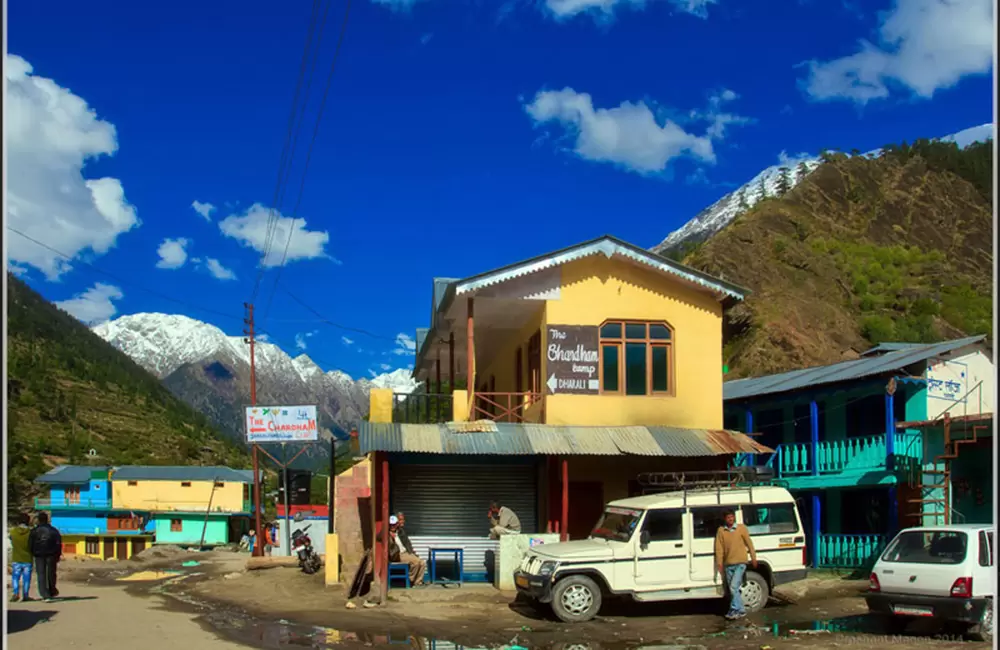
x=309, y=152
x=324, y=319
x=284, y=163
x=158, y=294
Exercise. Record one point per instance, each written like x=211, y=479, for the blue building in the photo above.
x=876, y=443
x=80, y=506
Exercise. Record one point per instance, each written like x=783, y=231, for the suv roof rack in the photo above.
x=747, y=477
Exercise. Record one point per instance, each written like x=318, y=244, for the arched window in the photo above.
x=636, y=358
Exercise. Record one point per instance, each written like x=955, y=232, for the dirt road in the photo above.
x=106, y=617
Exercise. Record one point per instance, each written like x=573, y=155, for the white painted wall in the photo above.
x=952, y=380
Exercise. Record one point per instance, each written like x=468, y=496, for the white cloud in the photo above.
x=51, y=134
x=263, y=337
x=300, y=339
x=630, y=135
x=250, y=229
x=218, y=271
x=347, y=341
x=924, y=46
x=385, y=366
x=405, y=345
x=792, y=161
x=204, y=209
x=95, y=305
x=605, y=9
x=172, y=253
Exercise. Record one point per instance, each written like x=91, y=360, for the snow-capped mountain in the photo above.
x=210, y=370
x=162, y=343
x=721, y=213
x=767, y=183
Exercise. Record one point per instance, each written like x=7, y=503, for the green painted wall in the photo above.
x=216, y=531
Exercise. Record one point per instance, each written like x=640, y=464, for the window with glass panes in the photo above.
x=636, y=358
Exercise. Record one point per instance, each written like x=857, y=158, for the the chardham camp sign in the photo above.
x=281, y=424
x=573, y=356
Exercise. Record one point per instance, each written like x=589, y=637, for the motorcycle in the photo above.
x=309, y=561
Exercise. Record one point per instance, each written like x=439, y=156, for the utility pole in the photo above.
x=258, y=548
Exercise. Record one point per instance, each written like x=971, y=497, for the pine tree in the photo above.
x=762, y=188
x=784, y=181
x=742, y=200
x=802, y=171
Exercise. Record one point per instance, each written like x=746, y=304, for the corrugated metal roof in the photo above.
x=69, y=474
x=843, y=371
x=181, y=473
x=889, y=346
x=512, y=439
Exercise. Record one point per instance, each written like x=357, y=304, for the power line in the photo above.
x=312, y=144
x=331, y=323
x=154, y=292
x=284, y=163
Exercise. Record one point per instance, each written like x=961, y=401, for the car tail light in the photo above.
x=873, y=584
x=805, y=556
x=962, y=588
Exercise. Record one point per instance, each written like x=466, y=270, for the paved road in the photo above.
x=105, y=617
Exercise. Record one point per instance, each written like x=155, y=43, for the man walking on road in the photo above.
x=732, y=544
x=45, y=543
x=20, y=557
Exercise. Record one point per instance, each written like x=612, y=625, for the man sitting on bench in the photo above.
x=401, y=550
x=503, y=521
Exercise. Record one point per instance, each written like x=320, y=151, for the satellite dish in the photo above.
x=92, y=453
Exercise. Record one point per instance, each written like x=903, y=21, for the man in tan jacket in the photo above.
x=732, y=544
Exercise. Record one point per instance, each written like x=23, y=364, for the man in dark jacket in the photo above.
x=45, y=543
x=404, y=549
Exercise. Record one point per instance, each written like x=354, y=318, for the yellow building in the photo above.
x=580, y=370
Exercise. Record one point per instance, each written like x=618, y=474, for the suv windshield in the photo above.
x=617, y=524
x=927, y=547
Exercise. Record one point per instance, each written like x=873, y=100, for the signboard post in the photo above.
x=282, y=424
x=573, y=355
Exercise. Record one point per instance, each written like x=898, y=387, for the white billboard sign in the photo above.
x=281, y=424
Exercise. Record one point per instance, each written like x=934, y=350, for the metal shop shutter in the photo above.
x=452, y=500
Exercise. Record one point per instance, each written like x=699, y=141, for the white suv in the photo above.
x=946, y=572
x=662, y=547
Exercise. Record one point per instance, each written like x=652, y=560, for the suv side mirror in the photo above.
x=644, y=539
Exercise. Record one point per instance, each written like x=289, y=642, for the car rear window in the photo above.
x=928, y=547
x=770, y=519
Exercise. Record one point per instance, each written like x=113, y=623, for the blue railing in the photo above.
x=849, y=551
x=846, y=455
x=47, y=504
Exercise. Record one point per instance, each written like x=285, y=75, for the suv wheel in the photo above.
x=754, y=591
x=576, y=599
x=983, y=630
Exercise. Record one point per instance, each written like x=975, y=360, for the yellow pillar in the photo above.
x=380, y=405
x=460, y=406
x=332, y=564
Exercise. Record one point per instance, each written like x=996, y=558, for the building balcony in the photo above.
x=425, y=408
x=199, y=507
x=422, y=408
x=835, y=462
x=74, y=504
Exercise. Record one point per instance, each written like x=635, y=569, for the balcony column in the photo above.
x=814, y=534
x=437, y=373
x=451, y=362
x=814, y=437
x=564, y=513
x=748, y=426
x=890, y=454
x=470, y=351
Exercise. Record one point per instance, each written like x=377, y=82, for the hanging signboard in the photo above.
x=947, y=379
x=573, y=360
x=281, y=424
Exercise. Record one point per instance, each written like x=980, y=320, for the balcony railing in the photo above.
x=421, y=408
x=503, y=407
x=849, y=551
x=837, y=456
x=47, y=504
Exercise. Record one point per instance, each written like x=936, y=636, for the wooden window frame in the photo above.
x=133, y=483
x=179, y=528
x=219, y=484
x=92, y=545
x=72, y=495
x=185, y=483
x=650, y=343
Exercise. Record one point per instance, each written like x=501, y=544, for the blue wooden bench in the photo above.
x=399, y=571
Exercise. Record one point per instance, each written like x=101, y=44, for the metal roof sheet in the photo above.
x=513, y=439
x=69, y=474
x=181, y=473
x=843, y=371
x=889, y=346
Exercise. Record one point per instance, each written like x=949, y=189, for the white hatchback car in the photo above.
x=946, y=572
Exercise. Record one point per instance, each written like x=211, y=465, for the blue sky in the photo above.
x=458, y=136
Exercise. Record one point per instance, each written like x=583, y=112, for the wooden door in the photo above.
x=586, y=503
x=109, y=548
x=138, y=545
x=121, y=549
